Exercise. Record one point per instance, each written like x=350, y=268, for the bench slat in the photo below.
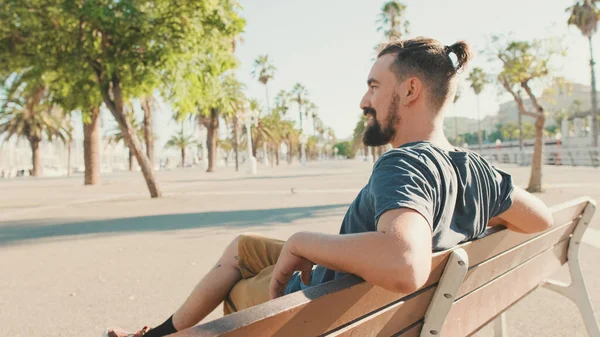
x=326, y=307
x=390, y=320
x=569, y=210
x=402, y=314
x=501, y=293
x=414, y=331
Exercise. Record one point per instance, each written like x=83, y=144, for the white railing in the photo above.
x=552, y=155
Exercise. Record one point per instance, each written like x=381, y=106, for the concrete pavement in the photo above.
x=77, y=259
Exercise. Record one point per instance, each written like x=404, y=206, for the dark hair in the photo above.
x=430, y=61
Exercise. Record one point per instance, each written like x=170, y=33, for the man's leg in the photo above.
x=205, y=297
x=211, y=290
x=256, y=255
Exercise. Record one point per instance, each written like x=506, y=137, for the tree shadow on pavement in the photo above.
x=15, y=232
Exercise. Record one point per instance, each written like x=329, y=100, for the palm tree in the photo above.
x=181, y=141
x=255, y=107
x=311, y=111
x=299, y=94
x=391, y=20
x=291, y=137
x=116, y=135
x=478, y=79
x=585, y=15
x=282, y=102
x=357, y=135
x=27, y=113
x=264, y=71
x=234, y=101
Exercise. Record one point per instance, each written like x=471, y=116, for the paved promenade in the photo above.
x=75, y=259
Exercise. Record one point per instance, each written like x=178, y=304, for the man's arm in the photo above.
x=527, y=214
x=397, y=257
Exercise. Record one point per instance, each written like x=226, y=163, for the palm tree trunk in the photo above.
x=129, y=134
x=130, y=161
x=35, y=156
x=300, y=114
x=183, y=157
x=290, y=154
x=535, y=180
x=211, y=139
x=91, y=148
x=236, y=142
x=69, y=150
x=277, y=155
x=594, y=98
x=267, y=94
x=148, y=134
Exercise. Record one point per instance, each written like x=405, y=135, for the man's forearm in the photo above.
x=376, y=257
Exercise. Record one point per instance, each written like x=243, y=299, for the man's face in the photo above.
x=381, y=103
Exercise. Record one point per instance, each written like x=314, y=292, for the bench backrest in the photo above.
x=504, y=266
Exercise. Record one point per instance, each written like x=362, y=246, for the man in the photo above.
x=424, y=195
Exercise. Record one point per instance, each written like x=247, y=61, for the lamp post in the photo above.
x=249, y=116
x=303, y=141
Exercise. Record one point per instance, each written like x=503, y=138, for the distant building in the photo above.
x=573, y=99
x=461, y=125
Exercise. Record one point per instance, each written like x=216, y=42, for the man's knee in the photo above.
x=230, y=256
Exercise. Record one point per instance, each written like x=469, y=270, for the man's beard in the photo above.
x=374, y=134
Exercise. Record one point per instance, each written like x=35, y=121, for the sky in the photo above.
x=329, y=47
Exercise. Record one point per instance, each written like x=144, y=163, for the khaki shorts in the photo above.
x=257, y=256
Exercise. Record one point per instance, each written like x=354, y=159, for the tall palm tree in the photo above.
x=233, y=102
x=391, y=20
x=181, y=141
x=28, y=113
x=291, y=137
x=311, y=111
x=273, y=126
x=255, y=107
x=478, y=79
x=357, y=135
x=264, y=71
x=585, y=15
x=282, y=102
x=300, y=97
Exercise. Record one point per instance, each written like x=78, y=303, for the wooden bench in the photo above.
x=469, y=287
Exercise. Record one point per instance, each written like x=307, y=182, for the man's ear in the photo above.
x=413, y=91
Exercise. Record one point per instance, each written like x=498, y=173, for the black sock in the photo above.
x=164, y=329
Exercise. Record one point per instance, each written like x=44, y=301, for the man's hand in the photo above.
x=287, y=264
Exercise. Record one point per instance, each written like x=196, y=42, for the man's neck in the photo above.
x=432, y=131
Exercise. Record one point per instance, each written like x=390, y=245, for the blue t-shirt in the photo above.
x=456, y=191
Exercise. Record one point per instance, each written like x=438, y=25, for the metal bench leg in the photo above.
x=576, y=291
x=500, y=326
x=445, y=293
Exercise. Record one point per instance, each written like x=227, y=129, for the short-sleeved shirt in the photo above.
x=457, y=192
